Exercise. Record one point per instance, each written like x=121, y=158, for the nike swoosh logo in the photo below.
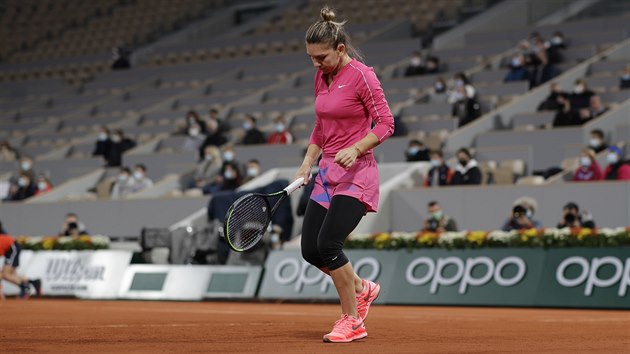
x=354, y=328
x=334, y=258
x=341, y=86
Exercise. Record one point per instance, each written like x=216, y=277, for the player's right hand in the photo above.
x=305, y=172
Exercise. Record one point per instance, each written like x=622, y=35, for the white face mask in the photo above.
x=594, y=142
x=413, y=150
x=279, y=127
x=516, y=62
x=578, y=89
x=556, y=40
x=228, y=156
x=415, y=61
x=459, y=82
x=26, y=166
x=116, y=138
x=22, y=182
x=247, y=126
x=585, y=161
x=193, y=131
x=252, y=172
x=625, y=76
x=439, y=86
x=138, y=175
x=122, y=178
x=435, y=163
x=42, y=186
x=102, y=137
x=229, y=174
x=529, y=213
x=208, y=157
x=612, y=158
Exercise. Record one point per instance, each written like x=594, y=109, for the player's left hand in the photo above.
x=346, y=157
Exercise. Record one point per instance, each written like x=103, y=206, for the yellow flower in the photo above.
x=381, y=240
x=427, y=238
x=533, y=232
x=85, y=239
x=48, y=243
x=583, y=233
x=477, y=237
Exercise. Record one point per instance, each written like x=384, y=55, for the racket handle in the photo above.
x=295, y=185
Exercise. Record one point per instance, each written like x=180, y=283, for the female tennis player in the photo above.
x=352, y=117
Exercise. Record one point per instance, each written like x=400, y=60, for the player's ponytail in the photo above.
x=328, y=31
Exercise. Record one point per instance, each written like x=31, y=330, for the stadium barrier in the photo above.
x=571, y=277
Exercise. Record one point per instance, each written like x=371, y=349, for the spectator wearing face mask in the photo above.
x=439, y=87
x=103, y=142
x=281, y=134
x=520, y=219
x=224, y=126
x=565, y=115
x=597, y=142
x=26, y=167
x=416, y=151
x=551, y=102
x=439, y=174
x=193, y=125
x=518, y=71
x=572, y=217
x=624, y=80
x=229, y=156
x=43, y=185
x=581, y=95
x=433, y=65
x=463, y=97
x=589, y=169
x=467, y=171
x=208, y=168
x=7, y=152
x=140, y=179
x=617, y=169
x=252, y=170
x=416, y=66
x=123, y=186
x=555, y=46
x=120, y=144
x=22, y=189
x=228, y=180
x=214, y=136
x=438, y=221
x=252, y=134
x=595, y=109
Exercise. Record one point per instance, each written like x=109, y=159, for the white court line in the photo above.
x=584, y=319
x=113, y=326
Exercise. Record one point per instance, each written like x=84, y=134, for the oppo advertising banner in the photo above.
x=288, y=276
x=85, y=274
x=569, y=277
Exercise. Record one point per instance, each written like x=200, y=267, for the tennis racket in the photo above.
x=249, y=216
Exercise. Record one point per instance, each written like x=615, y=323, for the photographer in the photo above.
x=521, y=219
x=437, y=221
x=572, y=217
x=72, y=226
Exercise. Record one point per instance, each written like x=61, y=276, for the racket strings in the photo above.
x=247, y=221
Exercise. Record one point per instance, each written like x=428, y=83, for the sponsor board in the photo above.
x=188, y=282
x=288, y=276
x=571, y=277
x=85, y=274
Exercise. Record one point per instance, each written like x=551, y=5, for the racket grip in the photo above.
x=295, y=185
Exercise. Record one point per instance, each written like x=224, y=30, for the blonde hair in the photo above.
x=327, y=31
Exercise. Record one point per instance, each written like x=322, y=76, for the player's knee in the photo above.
x=332, y=254
x=312, y=257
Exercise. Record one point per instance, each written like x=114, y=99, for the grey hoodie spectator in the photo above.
x=140, y=179
x=123, y=184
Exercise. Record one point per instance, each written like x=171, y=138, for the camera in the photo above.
x=73, y=225
x=518, y=211
x=570, y=218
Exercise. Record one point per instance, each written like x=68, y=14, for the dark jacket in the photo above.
x=469, y=175
x=102, y=147
x=254, y=136
x=116, y=150
x=444, y=176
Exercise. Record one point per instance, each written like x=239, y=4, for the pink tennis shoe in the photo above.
x=366, y=297
x=346, y=329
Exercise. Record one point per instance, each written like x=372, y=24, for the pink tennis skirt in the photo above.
x=359, y=181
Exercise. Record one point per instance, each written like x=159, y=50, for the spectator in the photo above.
x=214, y=136
x=416, y=66
x=530, y=205
x=595, y=109
x=464, y=99
x=597, y=142
x=281, y=135
x=438, y=221
x=193, y=125
x=7, y=153
x=589, y=169
x=519, y=220
x=223, y=125
x=43, y=185
x=543, y=69
x=555, y=46
x=103, y=142
x=439, y=87
x=617, y=168
x=26, y=167
x=416, y=151
x=229, y=156
x=252, y=134
x=123, y=184
x=252, y=170
x=518, y=71
x=467, y=171
x=565, y=115
x=229, y=179
x=624, y=81
x=24, y=188
x=439, y=174
x=120, y=144
x=195, y=133
x=433, y=65
x=572, y=217
x=581, y=95
x=140, y=179
x=208, y=168
x=72, y=225
x=551, y=102
x=121, y=58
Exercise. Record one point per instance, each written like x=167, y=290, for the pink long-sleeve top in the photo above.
x=351, y=107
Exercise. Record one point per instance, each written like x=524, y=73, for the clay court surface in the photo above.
x=73, y=326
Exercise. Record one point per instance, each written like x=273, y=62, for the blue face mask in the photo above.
x=413, y=150
x=247, y=126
